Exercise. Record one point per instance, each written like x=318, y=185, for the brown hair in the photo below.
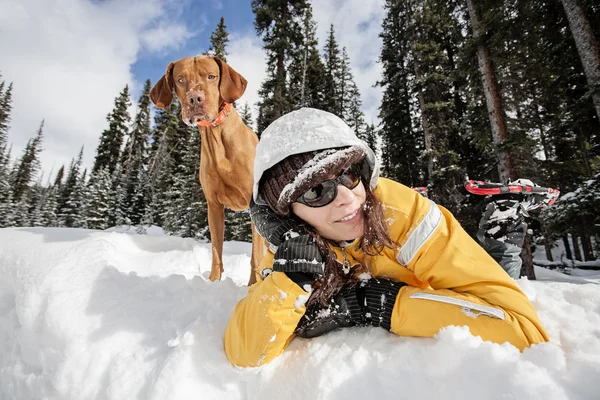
x=375, y=238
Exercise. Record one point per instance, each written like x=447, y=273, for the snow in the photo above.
x=113, y=315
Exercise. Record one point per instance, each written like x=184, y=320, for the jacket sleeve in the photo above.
x=263, y=323
x=467, y=287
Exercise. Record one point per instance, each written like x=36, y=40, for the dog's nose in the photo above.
x=195, y=98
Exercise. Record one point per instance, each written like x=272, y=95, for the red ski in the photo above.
x=421, y=189
x=490, y=188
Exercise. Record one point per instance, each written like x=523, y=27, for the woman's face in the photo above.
x=342, y=219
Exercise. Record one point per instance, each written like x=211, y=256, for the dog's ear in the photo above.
x=232, y=85
x=162, y=93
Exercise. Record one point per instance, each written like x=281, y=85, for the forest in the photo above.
x=492, y=90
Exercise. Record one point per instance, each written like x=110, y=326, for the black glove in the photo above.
x=357, y=304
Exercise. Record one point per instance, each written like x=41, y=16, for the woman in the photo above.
x=351, y=249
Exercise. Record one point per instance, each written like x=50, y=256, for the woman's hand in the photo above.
x=357, y=304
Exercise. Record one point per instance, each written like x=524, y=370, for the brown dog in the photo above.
x=205, y=87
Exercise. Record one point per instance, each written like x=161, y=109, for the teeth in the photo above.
x=346, y=218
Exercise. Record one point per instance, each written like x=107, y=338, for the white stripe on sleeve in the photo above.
x=420, y=235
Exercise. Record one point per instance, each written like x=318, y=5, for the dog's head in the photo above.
x=201, y=84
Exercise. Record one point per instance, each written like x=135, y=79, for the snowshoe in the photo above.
x=529, y=195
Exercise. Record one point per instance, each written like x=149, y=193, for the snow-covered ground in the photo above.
x=114, y=315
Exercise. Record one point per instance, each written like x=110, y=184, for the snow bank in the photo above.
x=110, y=315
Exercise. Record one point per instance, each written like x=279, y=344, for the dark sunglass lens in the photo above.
x=314, y=193
x=320, y=195
x=350, y=178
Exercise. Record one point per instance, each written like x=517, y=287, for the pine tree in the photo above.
x=98, y=200
x=134, y=159
x=116, y=199
x=111, y=140
x=5, y=110
x=59, y=176
x=276, y=21
x=28, y=165
x=306, y=83
x=166, y=123
x=402, y=140
x=350, y=102
x=492, y=94
x=434, y=39
x=186, y=213
x=218, y=41
x=48, y=205
x=158, y=182
x=6, y=197
x=333, y=67
x=246, y=115
x=67, y=212
x=34, y=199
x=20, y=215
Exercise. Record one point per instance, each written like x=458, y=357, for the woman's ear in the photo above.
x=232, y=85
x=162, y=93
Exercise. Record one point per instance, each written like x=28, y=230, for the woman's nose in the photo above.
x=344, y=195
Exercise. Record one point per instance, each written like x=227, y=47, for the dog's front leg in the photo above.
x=258, y=252
x=216, y=224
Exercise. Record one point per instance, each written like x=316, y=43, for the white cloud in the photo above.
x=357, y=24
x=69, y=59
x=248, y=58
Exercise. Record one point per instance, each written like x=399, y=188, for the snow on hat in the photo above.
x=287, y=180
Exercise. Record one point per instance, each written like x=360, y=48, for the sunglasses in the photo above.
x=324, y=193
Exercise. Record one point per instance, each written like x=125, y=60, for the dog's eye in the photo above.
x=211, y=77
x=181, y=80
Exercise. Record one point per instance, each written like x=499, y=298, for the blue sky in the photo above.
x=69, y=59
x=201, y=18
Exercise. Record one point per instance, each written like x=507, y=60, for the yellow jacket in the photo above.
x=451, y=281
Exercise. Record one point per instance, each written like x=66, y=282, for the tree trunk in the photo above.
x=576, y=249
x=492, y=95
x=548, y=249
x=280, y=73
x=586, y=242
x=587, y=47
x=425, y=123
x=527, y=269
x=565, y=239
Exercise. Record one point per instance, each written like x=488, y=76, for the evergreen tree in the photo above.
x=186, y=214
x=111, y=140
x=27, y=166
x=166, y=123
x=98, y=200
x=402, y=139
x=350, y=102
x=434, y=40
x=218, y=41
x=134, y=159
x=35, y=198
x=246, y=115
x=6, y=197
x=47, y=207
x=371, y=137
x=5, y=110
x=116, y=199
x=158, y=182
x=333, y=67
x=277, y=23
x=20, y=216
x=59, y=176
x=306, y=83
x=67, y=212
